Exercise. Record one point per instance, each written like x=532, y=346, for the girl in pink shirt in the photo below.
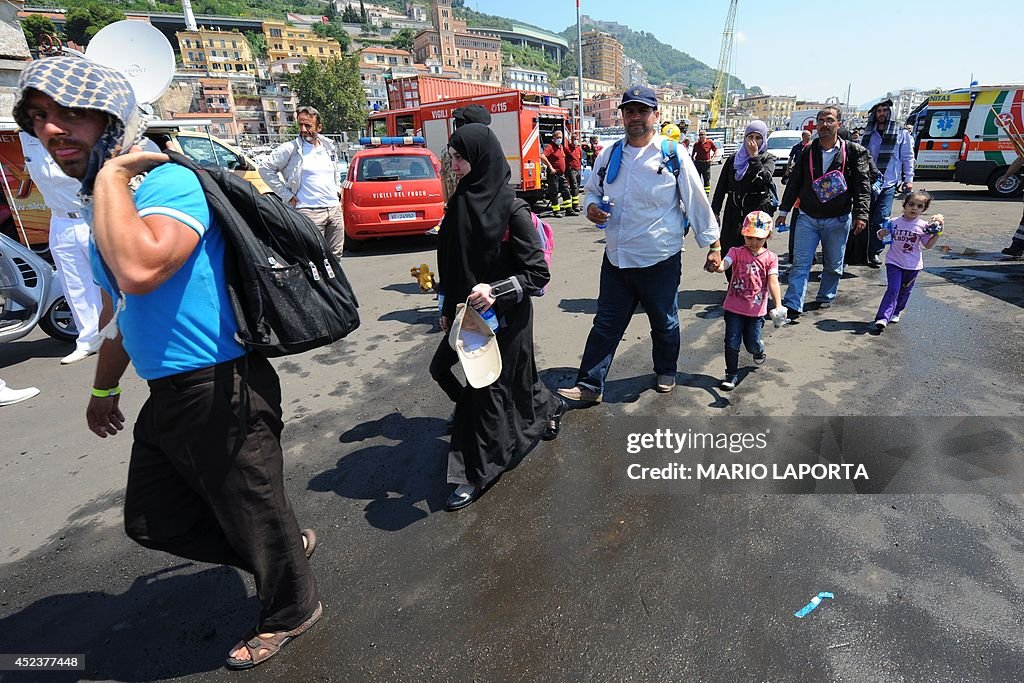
x=910, y=234
x=755, y=274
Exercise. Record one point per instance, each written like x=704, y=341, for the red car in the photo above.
x=392, y=190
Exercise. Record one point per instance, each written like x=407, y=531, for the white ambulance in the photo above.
x=971, y=135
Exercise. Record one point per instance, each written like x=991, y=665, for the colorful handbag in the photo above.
x=832, y=184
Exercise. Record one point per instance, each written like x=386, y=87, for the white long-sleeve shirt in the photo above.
x=646, y=223
x=59, y=191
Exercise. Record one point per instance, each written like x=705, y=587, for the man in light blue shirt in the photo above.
x=642, y=263
x=892, y=150
x=205, y=478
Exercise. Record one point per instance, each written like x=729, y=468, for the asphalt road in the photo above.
x=567, y=569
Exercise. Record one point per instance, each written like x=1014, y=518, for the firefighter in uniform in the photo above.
x=553, y=158
x=574, y=170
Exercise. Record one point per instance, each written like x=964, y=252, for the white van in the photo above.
x=780, y=143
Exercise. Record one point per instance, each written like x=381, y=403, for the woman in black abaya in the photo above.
x=745, y=185
x=496, y=425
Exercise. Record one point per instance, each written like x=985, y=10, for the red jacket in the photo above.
x=556, y=155
x=574, y=157
x=704, y=151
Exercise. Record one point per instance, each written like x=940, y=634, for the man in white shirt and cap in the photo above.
x=642, y=261
x=69, y=245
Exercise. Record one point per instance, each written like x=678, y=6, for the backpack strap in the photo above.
x=670, y=156
x=611, y=169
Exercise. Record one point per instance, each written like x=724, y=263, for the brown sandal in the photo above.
x=262, y=649
x=310, y=537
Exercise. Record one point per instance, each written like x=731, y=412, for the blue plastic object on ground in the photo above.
x=812, y=605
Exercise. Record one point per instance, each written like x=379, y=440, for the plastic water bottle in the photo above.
x=491, y=319
x=605, y=205
x=887, y=237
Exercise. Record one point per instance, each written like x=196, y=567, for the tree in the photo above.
x=82, y=23
x=35, y=26
x=351, y=16
x=334, y=88
x=258, y=43
x=403, y=39
x=333, y=30
x=362, y=12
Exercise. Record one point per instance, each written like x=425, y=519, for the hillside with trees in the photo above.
x=663, y=62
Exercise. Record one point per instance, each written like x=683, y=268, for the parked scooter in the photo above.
x=30, y=295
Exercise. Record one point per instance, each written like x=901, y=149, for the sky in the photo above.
x=815, y=50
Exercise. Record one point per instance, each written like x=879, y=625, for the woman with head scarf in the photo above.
x=490, y=255
x=745, y=185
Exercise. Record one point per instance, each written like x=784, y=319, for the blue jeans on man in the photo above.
x=621, y=289
x=831, y=233
x=881, y=209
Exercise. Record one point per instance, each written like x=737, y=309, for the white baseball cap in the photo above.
x=477, y=347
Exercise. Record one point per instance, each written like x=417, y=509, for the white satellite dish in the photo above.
x=140, y=52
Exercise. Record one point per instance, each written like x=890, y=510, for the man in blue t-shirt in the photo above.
x=205, y=481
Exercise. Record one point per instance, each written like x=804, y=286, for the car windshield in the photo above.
x=397, y=167
x=782, y=142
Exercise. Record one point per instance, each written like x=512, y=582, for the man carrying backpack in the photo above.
x=305, y=173
x=205, y=478
x=652, y=195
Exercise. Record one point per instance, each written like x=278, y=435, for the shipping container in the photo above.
x=413, y=91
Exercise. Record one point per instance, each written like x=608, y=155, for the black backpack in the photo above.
x=286, y=287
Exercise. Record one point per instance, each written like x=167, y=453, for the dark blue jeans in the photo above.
x=655, y=287
x=745, y=329
x=881, y=208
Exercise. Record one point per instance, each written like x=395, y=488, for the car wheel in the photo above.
x=58, y=321
x=352, y=244
x=1011, y=188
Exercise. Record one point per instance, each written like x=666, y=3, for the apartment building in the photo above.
x=475, y=55
x=284, y=40
x=604, y=109
x=591, y=88
x=215, y=51
x=775, y=110
x=279, y=104
x=521, y=78
x=603, y=58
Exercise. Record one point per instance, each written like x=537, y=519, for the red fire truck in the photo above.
x=522, y=121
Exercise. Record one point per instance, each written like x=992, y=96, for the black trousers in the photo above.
x=197, y=491
x=441, y=366
x=558, y=192
x=572, y=177
x=704, y=169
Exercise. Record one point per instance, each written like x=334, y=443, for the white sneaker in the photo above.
x=894, y=319
x=75, y=356
x=10, y=396
x=880, y=325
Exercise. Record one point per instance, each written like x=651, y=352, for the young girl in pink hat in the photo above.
x=755, y=275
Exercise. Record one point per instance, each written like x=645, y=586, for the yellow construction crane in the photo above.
x=718, y=94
